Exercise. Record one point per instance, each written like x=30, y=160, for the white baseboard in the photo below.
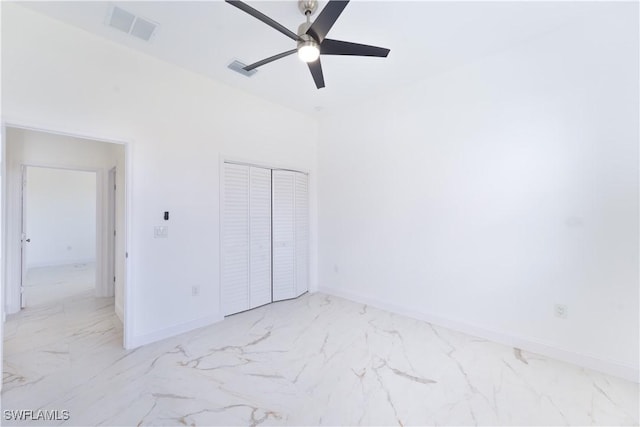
x=161, y=334
x=120, y=313
x=626, y=372
x=13, y=307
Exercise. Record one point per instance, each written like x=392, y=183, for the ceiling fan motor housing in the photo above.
x=302, y=29
x=306, y=39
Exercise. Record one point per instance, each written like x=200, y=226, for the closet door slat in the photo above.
x=259, y=236
x=283, y=221
x=235, y=239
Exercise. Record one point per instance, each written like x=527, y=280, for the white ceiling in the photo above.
x=425, y=38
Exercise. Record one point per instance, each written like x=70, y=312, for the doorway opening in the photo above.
x=58, y=235
x=64, y=228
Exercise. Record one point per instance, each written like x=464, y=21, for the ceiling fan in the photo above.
x=311, y=37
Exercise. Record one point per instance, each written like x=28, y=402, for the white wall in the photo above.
x=481, y=198
x=179, y=124
x=60, y=216
x=27, y=147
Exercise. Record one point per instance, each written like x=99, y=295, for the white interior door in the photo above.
x=259, y=236
x=265, y=236
x=284, y=286
x=246, y=238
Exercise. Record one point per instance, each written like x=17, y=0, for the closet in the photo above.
x=264, y=236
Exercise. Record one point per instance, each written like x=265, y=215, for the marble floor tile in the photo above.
x=47, y=285
x=315, y=360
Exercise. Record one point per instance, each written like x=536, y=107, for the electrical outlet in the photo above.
x=560, y=310
x=195, y=291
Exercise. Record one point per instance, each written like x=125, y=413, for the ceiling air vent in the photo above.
x=143, y=29
x=121, y=19
x=238, y=67
x=131, y=24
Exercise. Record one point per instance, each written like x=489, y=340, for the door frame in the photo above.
x=3, y=239
x=101, y=286
x=23, y=234
x=111, y=221
x=222, y=159
x=128, y=294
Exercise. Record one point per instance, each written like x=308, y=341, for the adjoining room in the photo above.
x=59, y=259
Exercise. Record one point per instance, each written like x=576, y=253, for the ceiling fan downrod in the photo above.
x=308, y=47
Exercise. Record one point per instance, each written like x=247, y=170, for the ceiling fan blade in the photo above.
x=269, y=59
x=338, y=47
x=326, y=19
x=264, y=18
x=316, y=71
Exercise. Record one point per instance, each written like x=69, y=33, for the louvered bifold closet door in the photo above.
x=260, y=237
x=235, y=239
x=301, y=202
x=283, y=222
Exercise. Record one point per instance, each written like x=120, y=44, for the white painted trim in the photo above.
x=221, y=202
x=172, y=331
x=629, y=373
x=313, y=233
x=110, y=225
x=62, y=166
x=100, y=283
x=128, y=318
x=22, y=202
x=3, y=246
x=60, y=264
x=74, y=133
x=99, y=280
x=120, y=313
x=245, y=162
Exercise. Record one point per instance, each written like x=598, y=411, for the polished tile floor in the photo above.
x=316, y=360
x=47, y=285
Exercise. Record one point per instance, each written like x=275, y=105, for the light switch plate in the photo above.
x=161, y=232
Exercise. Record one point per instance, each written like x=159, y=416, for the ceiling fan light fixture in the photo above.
x=311, y=37
x=308, y=51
